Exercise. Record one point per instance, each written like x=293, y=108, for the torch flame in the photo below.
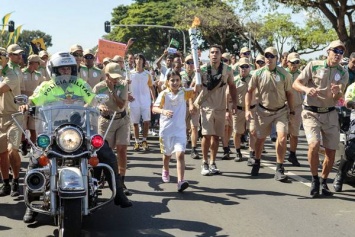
x=196, y=22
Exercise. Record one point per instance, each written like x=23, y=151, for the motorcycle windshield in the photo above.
x=65, y=100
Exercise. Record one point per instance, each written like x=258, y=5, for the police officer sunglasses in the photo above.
x=337, y=51
x=89, y=56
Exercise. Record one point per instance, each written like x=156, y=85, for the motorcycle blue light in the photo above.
x=43, y=141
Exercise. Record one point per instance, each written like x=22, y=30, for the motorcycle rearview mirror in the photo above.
x=102, y=98
x=21, y=99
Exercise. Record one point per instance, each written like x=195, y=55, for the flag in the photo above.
x=174, y=42
x=10, y=38
x=5, y=20
x=17, y=33
x=38, y=45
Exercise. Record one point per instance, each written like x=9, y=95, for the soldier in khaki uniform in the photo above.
x=239, y=123
x=273, y=84
x=95, y=75
x=10, y=135
x=216, y=76
x=31, y=79
x=294, y=124
x=323, y=82
x=193, y=116
x=42, y=67
x=77, y=51
x=116, y=87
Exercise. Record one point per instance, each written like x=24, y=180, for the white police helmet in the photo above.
x=61, y=59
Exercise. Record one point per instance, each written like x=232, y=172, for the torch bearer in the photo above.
x=194, y=47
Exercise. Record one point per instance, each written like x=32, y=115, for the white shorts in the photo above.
x=137, y=112
x=170, y=145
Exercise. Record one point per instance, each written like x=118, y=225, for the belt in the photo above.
x=243, y=109
x=272, y=110
x=118, y=115
x=320, y=110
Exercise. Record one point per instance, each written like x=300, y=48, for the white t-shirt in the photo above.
x=140, y=89
x=176, y=125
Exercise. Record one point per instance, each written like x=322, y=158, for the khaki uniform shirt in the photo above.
x=13, y=77
x=271, y=86
x=95, y=75
x=44, y=73
x=121, y=89
x=83, y=72
x=297, y=96
x=318, y=74
x=31, y=81
x=242, y=88
x=218, y=99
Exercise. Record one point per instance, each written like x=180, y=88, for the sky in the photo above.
x=68, y=22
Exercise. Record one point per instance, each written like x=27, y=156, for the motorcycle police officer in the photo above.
x=64, y=64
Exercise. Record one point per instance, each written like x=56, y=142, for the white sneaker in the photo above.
x=213, y=169
x=182, y=185
x=205, y=169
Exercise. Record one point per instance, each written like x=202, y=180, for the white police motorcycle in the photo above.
x=60, y=181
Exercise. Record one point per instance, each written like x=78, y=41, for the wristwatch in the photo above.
x=292, y=112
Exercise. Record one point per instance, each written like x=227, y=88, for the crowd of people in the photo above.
x=238, y=97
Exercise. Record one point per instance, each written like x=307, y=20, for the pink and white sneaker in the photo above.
x=182, y=185
x=165, y=176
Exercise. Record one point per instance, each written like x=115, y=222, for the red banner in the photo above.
x=109, y=49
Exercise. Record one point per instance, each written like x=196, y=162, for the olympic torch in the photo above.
x=194, y=47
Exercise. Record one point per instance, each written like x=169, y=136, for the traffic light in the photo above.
x=11, y=26
x=107, y=27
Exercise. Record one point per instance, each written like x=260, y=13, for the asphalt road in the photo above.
x=231, y=204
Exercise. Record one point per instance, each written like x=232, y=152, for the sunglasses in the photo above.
x=338, y=51
x=295, y=62
x=244, y=66
x=77, y=55
x=225, y=60
x=189, y=63
x=16, y=54
x=269, y=56
x=246, y=53
x=89, y=56
x=260, y=62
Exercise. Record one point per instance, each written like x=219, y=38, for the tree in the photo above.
x=339, y=13
x=27, y=36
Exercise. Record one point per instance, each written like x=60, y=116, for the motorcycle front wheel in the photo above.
x=70, y=221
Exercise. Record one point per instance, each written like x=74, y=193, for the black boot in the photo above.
x=121, y=198
x=339, y=178
x=315, y=187
x=29, y=216
x=325, y=190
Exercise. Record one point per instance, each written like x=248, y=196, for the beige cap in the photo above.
x=34, y=58
x=75, y=48
x=43, y=53
x=292, y=57
x=117, y=58
x=14, y=48
x=226, y=56
x=113, y=69
x=243, y=61
x=336, y=43
x=271, y=50
x=107, y=59
x=189, y=57
x=260, y=57
x=244, y=49
x=88, y=51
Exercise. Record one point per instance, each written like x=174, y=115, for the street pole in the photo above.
x=159, y=26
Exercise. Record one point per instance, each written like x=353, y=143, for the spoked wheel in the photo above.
x=70, y=219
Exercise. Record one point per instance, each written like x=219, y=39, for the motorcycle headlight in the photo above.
x=69, y=139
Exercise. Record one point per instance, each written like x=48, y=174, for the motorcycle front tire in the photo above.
x=70, y=222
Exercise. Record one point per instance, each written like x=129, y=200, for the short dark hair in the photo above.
x=140, y=55
x=172, y=73
x=217, y=46
x=352, y=55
